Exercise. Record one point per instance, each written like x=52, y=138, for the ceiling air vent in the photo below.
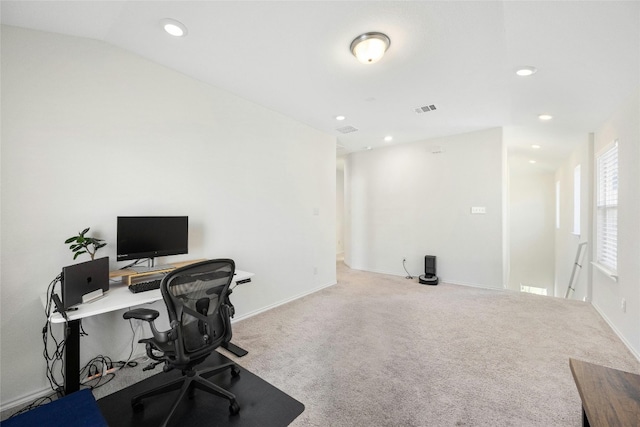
x=347, y=129
x=424, y=109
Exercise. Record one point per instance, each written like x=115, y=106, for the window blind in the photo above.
x=607, y=208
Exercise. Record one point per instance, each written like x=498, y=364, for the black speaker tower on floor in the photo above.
x=429, y=277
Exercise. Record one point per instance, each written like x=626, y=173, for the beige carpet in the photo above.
x=378, y=350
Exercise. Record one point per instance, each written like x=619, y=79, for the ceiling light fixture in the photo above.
x=535, y=146
x=370, y=47
x=545, y=117
x=533, y=162
x=526, y=71
x=173, y=27
x=340, y=118
x=388, y=138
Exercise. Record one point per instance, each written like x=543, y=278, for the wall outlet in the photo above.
x=404, y=259
x=623, y=305
x=315, y=271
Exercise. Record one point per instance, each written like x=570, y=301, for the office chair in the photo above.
x=199, y=323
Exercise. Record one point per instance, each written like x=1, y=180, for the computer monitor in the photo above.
x=141, y=237
x=85, y=281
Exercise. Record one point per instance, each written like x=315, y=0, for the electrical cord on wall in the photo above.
x=408, y=276
x=53, y=356
x=100, y=369
x=38, y=402
x=129, y=363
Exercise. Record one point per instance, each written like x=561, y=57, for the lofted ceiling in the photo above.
x=293, y=57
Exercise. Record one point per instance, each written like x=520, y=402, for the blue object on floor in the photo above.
x=78, y=409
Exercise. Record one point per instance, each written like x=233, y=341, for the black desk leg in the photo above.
x=235, y=349
x=585, y=420
x=72, y=357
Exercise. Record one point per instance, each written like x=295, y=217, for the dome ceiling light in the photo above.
x=370, y=47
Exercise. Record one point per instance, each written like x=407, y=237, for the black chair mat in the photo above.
x=261, y=404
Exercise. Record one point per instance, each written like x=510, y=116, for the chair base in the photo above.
x=187, y=384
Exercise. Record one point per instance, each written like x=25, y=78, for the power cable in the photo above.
x=408, y=276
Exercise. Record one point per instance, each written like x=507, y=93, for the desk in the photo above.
x=609, y=397
x=119, y=297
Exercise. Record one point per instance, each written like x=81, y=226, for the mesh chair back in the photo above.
x=194, y=296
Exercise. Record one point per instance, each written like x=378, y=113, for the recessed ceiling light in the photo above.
x=533, y=162
x=388, y=138
x=173, y=27
x=526, y=71
x=340, y=118
x=368, y=147
x=535, y=146
x=545, y=117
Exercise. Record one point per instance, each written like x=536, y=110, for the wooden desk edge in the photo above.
x=128, y=272
x=605, y=378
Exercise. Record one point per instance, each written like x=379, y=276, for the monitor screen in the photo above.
x=151, y=236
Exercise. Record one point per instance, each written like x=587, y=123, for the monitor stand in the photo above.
x=92, y=296
x=141, y=269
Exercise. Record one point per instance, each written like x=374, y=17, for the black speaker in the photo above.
x=429, y=277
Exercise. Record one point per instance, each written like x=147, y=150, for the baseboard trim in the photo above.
x=278, y=304
x=616, y=331
x=443, y=280
x=23, y=400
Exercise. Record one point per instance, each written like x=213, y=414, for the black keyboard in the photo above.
x=145, y=286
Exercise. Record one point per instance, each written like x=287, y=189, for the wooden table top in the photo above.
x=609, y=397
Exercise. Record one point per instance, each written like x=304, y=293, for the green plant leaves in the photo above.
x=81, y=245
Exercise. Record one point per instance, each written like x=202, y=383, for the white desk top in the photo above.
x=119, y=297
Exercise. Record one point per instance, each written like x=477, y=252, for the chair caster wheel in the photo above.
x=235, y=372
x=137, y=407
x=234, y=408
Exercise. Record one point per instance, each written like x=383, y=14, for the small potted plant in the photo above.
x=81, y=244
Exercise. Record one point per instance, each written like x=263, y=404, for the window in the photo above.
x=557, y=205
x=607, y=208
x=576, y=200
x=533, y=289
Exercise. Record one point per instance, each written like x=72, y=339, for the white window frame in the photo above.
x=576, y=200
x=557, y=205
x=607, y=210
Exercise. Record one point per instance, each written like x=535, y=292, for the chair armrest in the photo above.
x=150, y=315
x=146, y=314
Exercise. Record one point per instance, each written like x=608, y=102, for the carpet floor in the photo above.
x=381, y=350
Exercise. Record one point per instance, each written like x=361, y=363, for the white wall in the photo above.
x=90, y=132
x=566, y=242
x=531, y=230
x=624, y=125
x=407, y=201
x=340, y=212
